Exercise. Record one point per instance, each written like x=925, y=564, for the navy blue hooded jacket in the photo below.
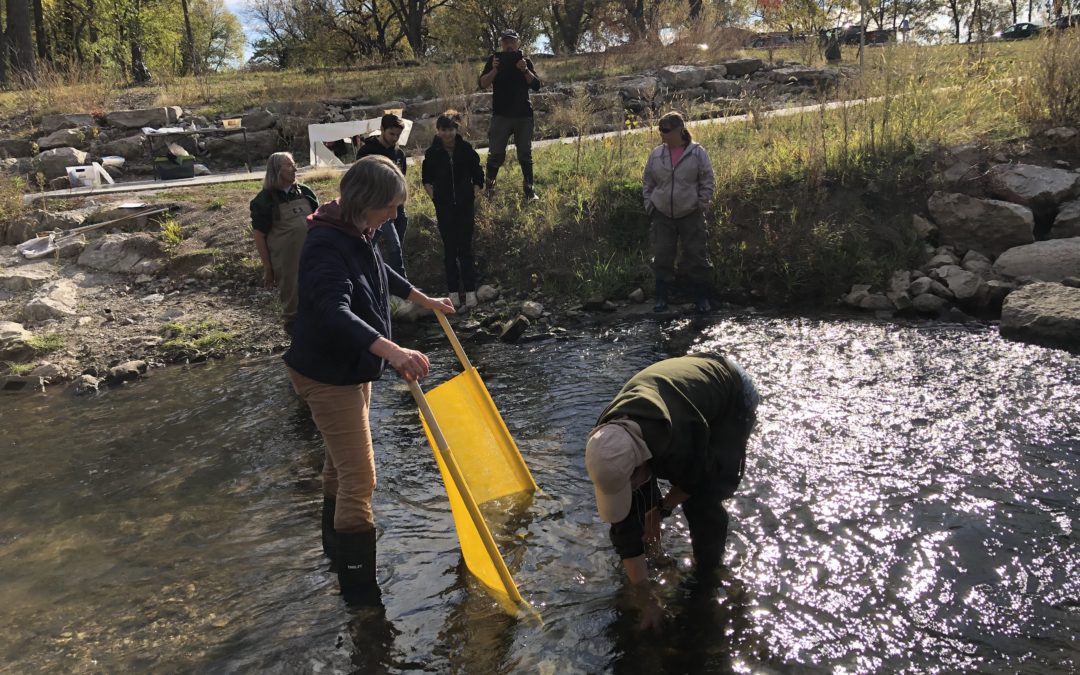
x=344, y=302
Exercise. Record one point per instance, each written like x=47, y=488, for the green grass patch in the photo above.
x=42, y=344
x=17, y=369
x=203, y=336
x=172, y=233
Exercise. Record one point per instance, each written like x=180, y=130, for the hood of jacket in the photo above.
x=329, y=215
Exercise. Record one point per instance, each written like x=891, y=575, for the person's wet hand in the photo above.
x=268, y=278
x=652, y=614
x=411, y=364
x=652, y=526
x=443, y=305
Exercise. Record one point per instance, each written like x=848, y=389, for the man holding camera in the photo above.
x=510, y=76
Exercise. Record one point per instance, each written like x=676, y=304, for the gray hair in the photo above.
x=274, y=164
x=374, y=182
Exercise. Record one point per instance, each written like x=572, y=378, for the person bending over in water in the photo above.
x=686, y=420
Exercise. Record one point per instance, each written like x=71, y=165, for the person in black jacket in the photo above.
x=386, y=144
x=453, y=178
x=341, y=342
x=511, y=77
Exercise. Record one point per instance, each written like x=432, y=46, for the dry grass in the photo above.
x=1050, y=92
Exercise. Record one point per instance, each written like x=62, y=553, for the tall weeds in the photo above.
x=1050, y=92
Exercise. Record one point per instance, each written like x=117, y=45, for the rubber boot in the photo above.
x=329, y=538
x=701, y=299
x=492, y=174
x=356, y=569
x=661, y=296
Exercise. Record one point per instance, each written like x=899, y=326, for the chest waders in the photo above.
x=285, y=240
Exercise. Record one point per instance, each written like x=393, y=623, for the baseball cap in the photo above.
x=509, y=35
x=612, y=452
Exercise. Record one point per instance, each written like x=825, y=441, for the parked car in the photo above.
x=1066, y=22
x=1020, y=31
x=850, y=36
x=770, y=41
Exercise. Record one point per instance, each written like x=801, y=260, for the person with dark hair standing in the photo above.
x=386, y=144
x=279, y=224
x=511, y=77
x=686, y=420
x=453, y=178
x=678, y=186
x=341, y=343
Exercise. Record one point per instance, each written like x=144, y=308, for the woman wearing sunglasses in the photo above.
x=678, y=188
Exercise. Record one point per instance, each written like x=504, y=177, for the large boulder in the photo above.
x=989, y=226
x=1044, y=313
x=683, y=77
x=743, y=67
x=54, y=301
x=1067, y=222
x=367, y=112
x=128, y=147
x=639, y=87
x=137, y=253
x=804, y=75
x=231, y=149
x=65, y=138
x=25, y=277
x=259, y=120
x=17, y=147
x=54, y=163
x=145, y=117
x=13, y=342
x=1051, y=260
x=1033, y=186
x=51, y=123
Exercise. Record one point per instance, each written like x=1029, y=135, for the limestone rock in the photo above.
x=901, y=301
x=639, y=87
x=804, y=75
x=1051, y=260
x=929, y=304
x=261, y=144
x=940, y=260
x=856, y=295
x=1033, y=186
x=876, y=302
x=138, y=253
x=743, y=67
x=51, y=123
x=362, y=112
x=683, y=77
x=49, y=372
x=64, y=138
x=515, y=328
x=967, y=286
x=1067, y=222
x=724, y=88
x=13, y=342
x=259, y=120
x=1045, y=313
x=145, y=117
x=129, y=147
x=125, y=372
x=532, y=310
x=17, y=147
x=487, y=293
x=985, y=225
x=55, y=301
x=85, y=384
x=976, y=262
x=54, y=163
x=927, y=286
x=25, y=277
x=1060, y=134
x=923, y=227
x=637, y=296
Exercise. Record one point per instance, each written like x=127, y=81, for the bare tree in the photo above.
x=187, y=58
x=412, y=15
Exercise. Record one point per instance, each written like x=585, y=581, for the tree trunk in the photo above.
x=187, y=59
x=39, y=32
x=139, y=72
x=20, y=39
x=568, y=20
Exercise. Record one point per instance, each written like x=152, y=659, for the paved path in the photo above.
x=149, y=185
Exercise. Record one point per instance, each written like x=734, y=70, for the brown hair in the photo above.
x=451, y=119
x=392, y=121
x=674, y=120
x=374, y=182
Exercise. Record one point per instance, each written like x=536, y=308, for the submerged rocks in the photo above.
x=1051, y=260
x=1044, y=313
x=989, y=226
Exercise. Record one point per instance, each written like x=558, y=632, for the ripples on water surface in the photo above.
x=910, y=504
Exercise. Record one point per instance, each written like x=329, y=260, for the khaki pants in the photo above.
x=667, y=233
x=341, y=414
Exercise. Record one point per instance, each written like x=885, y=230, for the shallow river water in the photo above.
x=910, y=504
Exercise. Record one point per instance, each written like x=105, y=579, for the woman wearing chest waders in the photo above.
x=678, y=189
x=341, y=343
x=279, y=224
